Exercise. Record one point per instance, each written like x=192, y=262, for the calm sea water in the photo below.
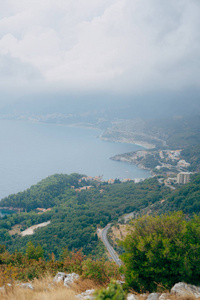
x=5, y=212
x=30, y=152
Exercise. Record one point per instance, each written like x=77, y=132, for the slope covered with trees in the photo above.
x=74, y=215
x=160, y=251
x=186, y=198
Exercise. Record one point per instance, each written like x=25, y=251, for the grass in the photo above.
x=45, y=289
x=17, y=293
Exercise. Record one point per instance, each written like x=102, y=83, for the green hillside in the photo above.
x=74, y=215
x=185, y=198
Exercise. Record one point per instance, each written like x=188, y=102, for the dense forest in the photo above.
x=185, y=198
x=74, y=215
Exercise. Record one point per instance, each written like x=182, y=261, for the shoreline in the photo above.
x=129, y=141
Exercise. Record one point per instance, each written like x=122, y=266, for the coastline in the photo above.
x=129, y=141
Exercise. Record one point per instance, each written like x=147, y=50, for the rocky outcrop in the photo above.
x=182, y=289
x=66, y=278
x=86, y=295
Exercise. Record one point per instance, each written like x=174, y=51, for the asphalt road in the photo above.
x=109, y=247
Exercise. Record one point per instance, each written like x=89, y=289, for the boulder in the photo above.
x=60, y=276
x=182, y=289
x=164, y=296
x=132, y=297
x=66, y=278
x=153, y=296
x=86, y=295
x=70, y=278
x=27, y=285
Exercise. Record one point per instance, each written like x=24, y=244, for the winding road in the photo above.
x=109, y=247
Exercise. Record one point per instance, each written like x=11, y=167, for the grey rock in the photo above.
x=66, y=278
x=183, y=289
x=69, y=278
x=153, y=296
x=86, y=295
x=132, y=297
x=60, y=276
x=164, y=296
x=120, y=282
x=26, y=285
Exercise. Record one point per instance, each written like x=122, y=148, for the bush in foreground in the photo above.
x=113, y=292
x=162, y=251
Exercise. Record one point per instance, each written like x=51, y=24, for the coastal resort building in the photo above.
x=183, y=177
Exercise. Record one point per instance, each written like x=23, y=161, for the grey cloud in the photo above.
x=14, y=68
x=125, y=45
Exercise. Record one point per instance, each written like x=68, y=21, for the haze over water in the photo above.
x=30, y=152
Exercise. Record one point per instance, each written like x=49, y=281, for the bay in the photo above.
x=4, y=212
x=29, y=152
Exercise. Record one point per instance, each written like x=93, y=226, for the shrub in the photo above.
x=100, y=271
x=113, y=292
x=162, y=250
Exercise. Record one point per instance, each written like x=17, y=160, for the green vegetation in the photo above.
x=162, y=251
x=185, y=198
x=44, y=194
x=24, y=267
x=150, y=162
x=192, y=155
x=74, y=215
x=113, y=292
x=181, y=133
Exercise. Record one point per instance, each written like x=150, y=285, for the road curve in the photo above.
x=109, y=247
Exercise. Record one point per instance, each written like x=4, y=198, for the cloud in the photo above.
x=121, y=45
x=14, y=68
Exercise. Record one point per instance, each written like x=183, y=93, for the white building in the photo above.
x=183, y=177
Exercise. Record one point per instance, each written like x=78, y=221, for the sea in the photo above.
x=29, y=152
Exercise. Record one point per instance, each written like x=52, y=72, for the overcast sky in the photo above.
x=98, y=45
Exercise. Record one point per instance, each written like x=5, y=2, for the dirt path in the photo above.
x=31, y=229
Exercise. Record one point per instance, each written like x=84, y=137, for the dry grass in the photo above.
x=43, y=290
x=82, y=285
x=120, y=231
x=46, y=289
x=182, y=298
x=58, y=293
x=55, y=294
x=169, y=297
x=15, y=229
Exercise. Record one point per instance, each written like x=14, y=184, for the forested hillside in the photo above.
x=185, y=198
x=74, y=215
x=44, y=194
